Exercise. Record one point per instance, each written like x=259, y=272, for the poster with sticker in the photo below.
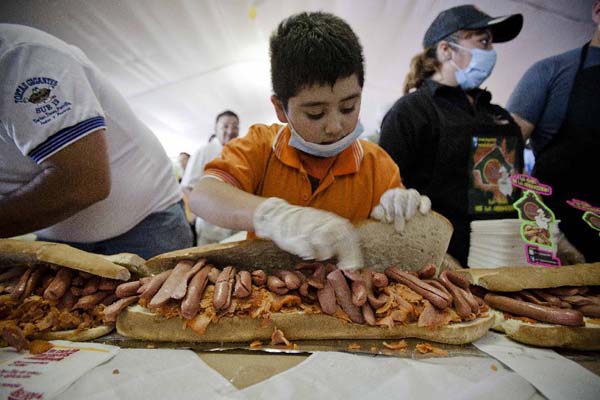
x=537, y=221
x=492, y=161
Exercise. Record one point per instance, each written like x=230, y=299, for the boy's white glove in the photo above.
x=399, y=205
x=307, y=232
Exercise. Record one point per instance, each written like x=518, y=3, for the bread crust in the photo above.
x=549, y=335
x=77, y=335
x=17, y=252
x=512, y=279
x=140, y=323
x=424, y=241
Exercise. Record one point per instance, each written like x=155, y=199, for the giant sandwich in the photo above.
x=54, y=291
x=541, y=306
x=251, y=290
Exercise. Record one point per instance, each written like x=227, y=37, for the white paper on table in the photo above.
x=43, y=376
x=151, y=374
x=552, y=374
x=333, y=375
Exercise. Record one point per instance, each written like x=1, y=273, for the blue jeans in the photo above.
x=158, y=233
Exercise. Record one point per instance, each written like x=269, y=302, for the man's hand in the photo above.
x=566, y=252
x=309, y=233
x=450, y=263
x=399, y=205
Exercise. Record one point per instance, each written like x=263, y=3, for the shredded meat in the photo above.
x=432, y=317
x=425, y=348
x=14, y=337
x=285, y=301
x=278, y=338
x=199, y=323
x=400, y=345
x=39, y=346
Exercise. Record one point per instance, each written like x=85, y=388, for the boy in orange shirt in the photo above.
x=303, y=184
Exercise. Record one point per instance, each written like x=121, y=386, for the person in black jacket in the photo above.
x=450, y=142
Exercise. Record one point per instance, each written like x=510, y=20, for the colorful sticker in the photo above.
x=537, y=221
x=591, y=216
x=593, y=220
x=537, y=256
x=492, y=162
x=583, y=206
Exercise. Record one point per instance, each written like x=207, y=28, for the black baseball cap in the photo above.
x=470, y=17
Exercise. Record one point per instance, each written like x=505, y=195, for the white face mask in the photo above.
x=324, y=150
x=479, y=69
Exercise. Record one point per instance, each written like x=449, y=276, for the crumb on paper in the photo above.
x=426, y=348
x=494, y=367
x=39, y=346
x=354, y=346
x=116, y=371
x=151, y=346
x=255, y=344
x=400, y=345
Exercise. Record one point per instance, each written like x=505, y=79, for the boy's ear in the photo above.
x=279, y=109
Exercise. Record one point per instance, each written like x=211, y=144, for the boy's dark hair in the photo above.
x=228, y=113
x=313, y=48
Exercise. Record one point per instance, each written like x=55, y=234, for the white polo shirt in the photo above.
x=51, y=96
x=195, y=168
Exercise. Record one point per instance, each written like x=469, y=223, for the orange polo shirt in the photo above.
x=264, y=164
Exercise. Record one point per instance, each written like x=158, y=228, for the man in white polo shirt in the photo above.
x=76, y=165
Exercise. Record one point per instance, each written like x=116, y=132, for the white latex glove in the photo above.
x=399, y=205
x=309, y=233
x=567, y=253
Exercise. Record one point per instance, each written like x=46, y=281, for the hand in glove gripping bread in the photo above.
x=399, y=205
x=307, y=232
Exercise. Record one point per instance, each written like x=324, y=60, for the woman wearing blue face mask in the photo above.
x=448, y=139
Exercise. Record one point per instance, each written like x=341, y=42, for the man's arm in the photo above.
x=526, y=126
x=71, y=180
x=528, y=100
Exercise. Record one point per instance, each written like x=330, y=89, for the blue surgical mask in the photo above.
x=324, y=150
x=479, y=69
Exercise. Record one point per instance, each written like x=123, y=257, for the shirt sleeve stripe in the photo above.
x=64, y=137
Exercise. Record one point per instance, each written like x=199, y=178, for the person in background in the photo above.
x=446, y=136
x=180, y=164
x=69, y=170
x=227, y=127
x=303, y=184
x=556, y=104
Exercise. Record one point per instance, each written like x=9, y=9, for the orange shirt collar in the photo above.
x=348, y=161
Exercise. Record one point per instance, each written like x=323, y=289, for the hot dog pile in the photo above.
x=201, y=294
x=563, y=306
x=42, y=299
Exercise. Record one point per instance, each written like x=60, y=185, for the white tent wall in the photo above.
x=180, y=62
